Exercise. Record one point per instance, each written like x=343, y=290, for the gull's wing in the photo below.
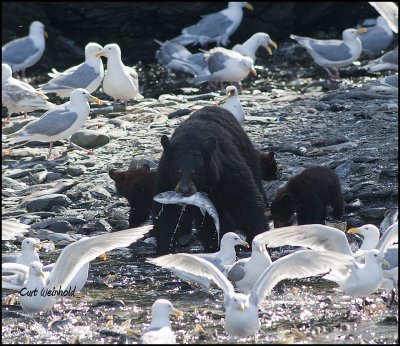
x=300, y=264
x=236, y=272
x=17, y=51
x=314, y=236
x=389, y=237
x=11, y=229
x=331, y=51
x=210, y=25
x=197, y=266
x=75, y=255
x=18, y=279
x=390, y=12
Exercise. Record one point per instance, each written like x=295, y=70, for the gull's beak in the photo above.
x=103, y=257
x=242, y=307
x=95, y=99
x=230, y=93
x=362, y=30
x=249, y=7
x=100, y=53
x=353, y=230
x=38, y=246
x=41, y=274
x=261, y=248
x=272, y=44
x=177, y=313
x=385, y=263
x=253, y=71
x=245, y=244
x=46, y=34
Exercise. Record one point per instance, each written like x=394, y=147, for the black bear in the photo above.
x=269, y=167
x=308, y=194
x=211, y=153
x=137, y=186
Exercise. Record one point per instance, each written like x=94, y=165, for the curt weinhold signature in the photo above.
x=48, y=292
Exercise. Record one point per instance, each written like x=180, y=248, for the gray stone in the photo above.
x=76, y=171
x=47, y=202
x=61, y=227
x=102, y=226
x=51, y=176
x=90, y=139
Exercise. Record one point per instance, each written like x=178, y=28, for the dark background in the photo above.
x=134, y=25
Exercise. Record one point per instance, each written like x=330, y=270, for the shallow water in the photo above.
x=115, y=307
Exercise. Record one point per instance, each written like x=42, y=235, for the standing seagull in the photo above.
x=215, y=27
x=19, y=96
x=59, y=123
x=120, y=81
x=233, y=105
x=249, y=47
x=25, y=51
x=87, y=75
x=378, y=37
x=159, y=330
x=334, y=53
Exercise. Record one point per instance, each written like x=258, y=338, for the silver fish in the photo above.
x=199, y=199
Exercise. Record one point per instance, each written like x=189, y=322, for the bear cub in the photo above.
x=308, y=194
x=136, y=185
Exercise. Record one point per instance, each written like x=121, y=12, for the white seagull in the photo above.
x=120, y=81
x=214, y=27
x=59, y=123
x=25, y=51
x=233, y=105
x=87, y=75
x=249, y=47
x=159, y=330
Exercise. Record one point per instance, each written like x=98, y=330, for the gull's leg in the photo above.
x=80, y=148
x=126, y=103
x=25, y=115
x=50, y=149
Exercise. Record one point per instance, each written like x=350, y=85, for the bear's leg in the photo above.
x=138, y=215
x=337, y=204
x=170, y=222
x=309, y=213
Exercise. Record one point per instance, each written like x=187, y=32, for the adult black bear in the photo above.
x=308, y=194
x=137, y=186
x=209, y=152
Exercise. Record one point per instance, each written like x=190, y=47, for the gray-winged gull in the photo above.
x=333, y=53
x=159, y=330
x=25, y=51
x=249, y=47
x=214, y=27
x=120, y=81
x=71, y=259
x=11, y=229
x=233, y=105
x=245, y=272
x=388, y=61
x=224, y=257
x=28, y=253
x=378, y=37
x=87, y=75
x=360, y=280
x=391, y=81
x=59, y=123
x=226, y=65
x=241, y=310
x=174, y=56
x=389, y=11
x=19, y=96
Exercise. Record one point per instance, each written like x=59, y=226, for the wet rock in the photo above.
x=39, y=177
x=47, y=202
x=51, y=176
x=354, y=205
x=61, y=227
x=179, y=113
x=100, y=192
x=90, y=139
x=140, y=161
x=76, y=171
x=118, y=225
x=102, y=226
x=373, y=213
x=344, y=169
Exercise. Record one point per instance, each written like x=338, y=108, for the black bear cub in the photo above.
x=308, y=194
x=136, y=185
x=211, y=153
x=269, y=167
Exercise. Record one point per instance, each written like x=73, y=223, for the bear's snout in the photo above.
x=186, y=189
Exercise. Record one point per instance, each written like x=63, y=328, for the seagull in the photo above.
x=25, y=51
x=174, y=56
x=159, y=330
x=222, y=258
x=226, y=65
x=19, y=96
x=245, y=272
x=362, y=279
x=28, y=253
x=391, y=81
x=87, y=75
x=233, y=105
x=390, y=12
x=249, y=47
x=70, y=261
x=334, y=53
x=11, y=229
x=120, y=81
x=215, y=27
x=59, y=123
x=388, y=61
x=378, y=37
x=241, y=310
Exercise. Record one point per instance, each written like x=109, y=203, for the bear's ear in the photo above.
x=270, y=155
x=165, y=141
x=209, y=146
